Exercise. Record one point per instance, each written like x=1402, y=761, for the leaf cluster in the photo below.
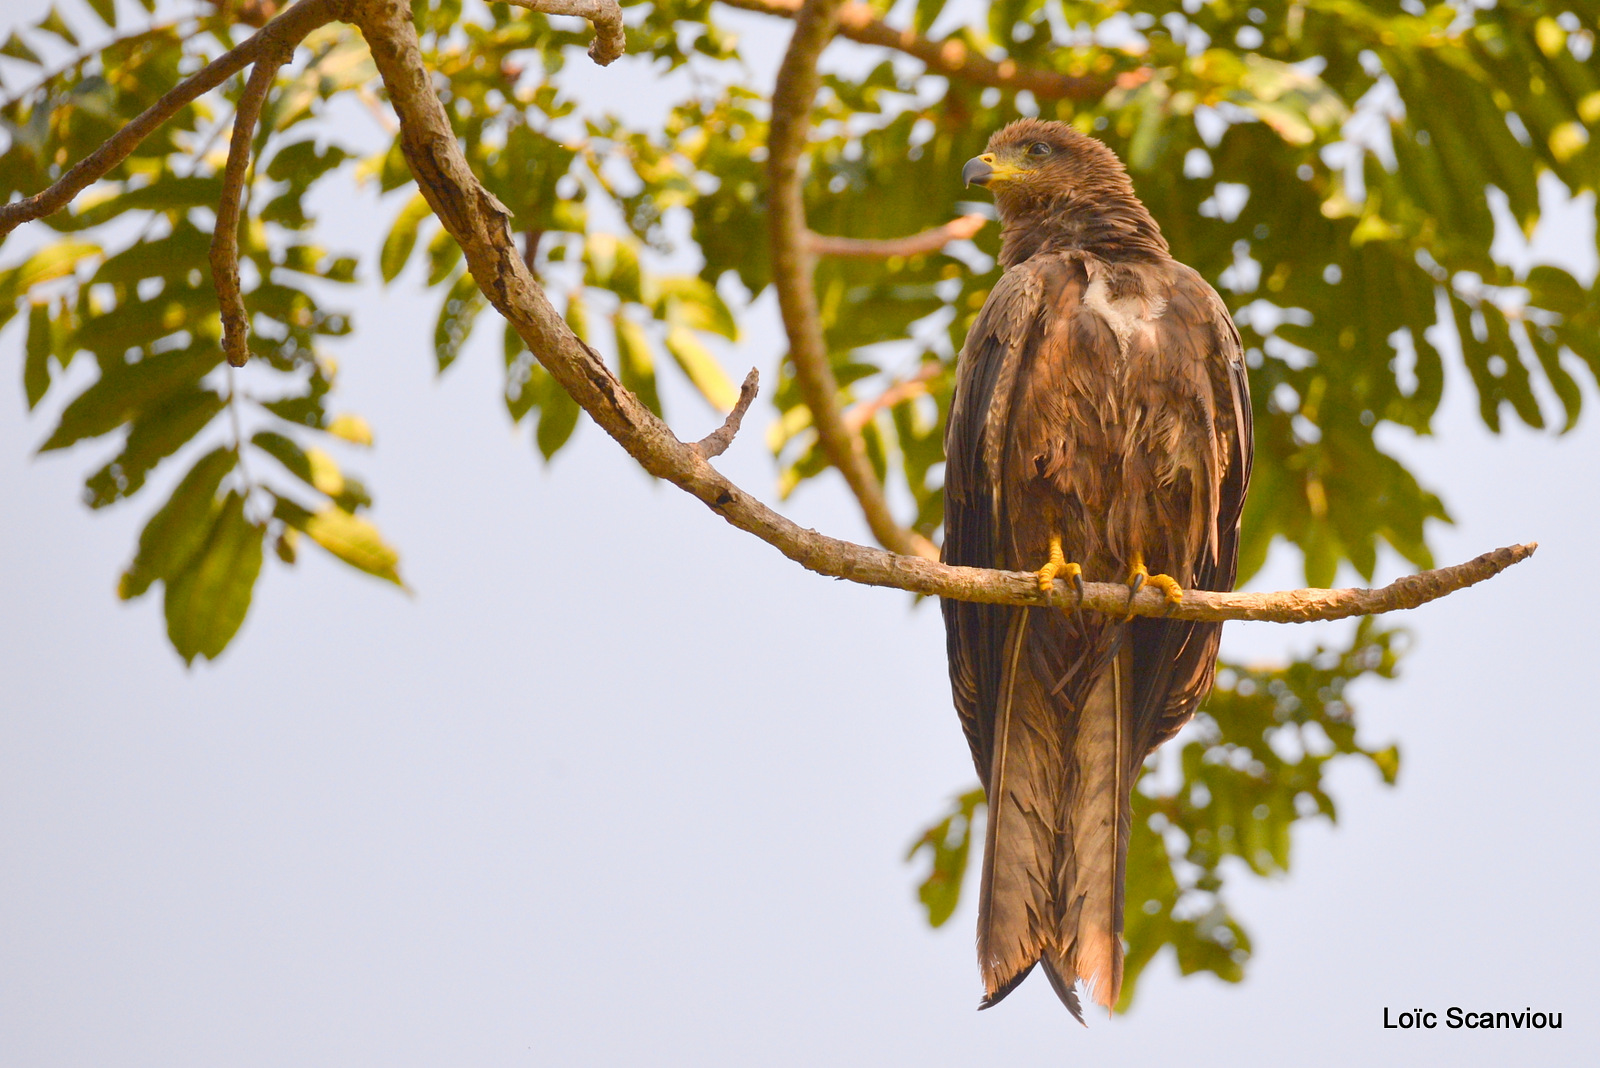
x=121, y=315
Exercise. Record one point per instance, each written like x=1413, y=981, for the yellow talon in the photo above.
x=1169, y=586
x=1059, y=566
x=1139, y=577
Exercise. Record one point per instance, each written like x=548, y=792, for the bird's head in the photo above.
x=1052, y=175
x=1034, y=159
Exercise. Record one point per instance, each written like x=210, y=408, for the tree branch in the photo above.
x=916, y=245
x=949, y=57
x=285, y=31
x=609, y=39
x=1297, y=606
x=792, y=264
x=225, y=236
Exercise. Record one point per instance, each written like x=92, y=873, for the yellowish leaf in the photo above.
x=1589, y=107
x=351, y=428
x=1567, y=140
x=355, y=541
x=703, y=369
x=325, y=473
x=1550, y=36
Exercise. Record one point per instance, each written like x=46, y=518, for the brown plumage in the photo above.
x=1100, y=397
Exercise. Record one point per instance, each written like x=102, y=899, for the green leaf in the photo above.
x=576, y=315
x=138, y=324
x=402, y=238
x=458, y=313
x=529, y=386
x=303, y=162
x=106, y=9
x=305, y=408
x=36, y=361
x=128, y=388
x=171, y=193
x=685, y=300
x=56, y=260
x=925, y=13
x=17, y=48
x=173, y=256
x=315, y=468
x=178, y=529
x=54, y=23
x=157, y=433
x=444, y=255
x=558, y=418
x=948, y=843
x=636, y=364
x=612, y=263
x=703, y=369
x=1565, y=386
x=286, y=452
x=207, y=601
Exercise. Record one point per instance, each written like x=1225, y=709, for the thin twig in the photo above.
x=609, y=39
x=792, y=98
x=859, y=415
x=288, y=29
x=477, y=221
x=716, y=443
x=237, y=425
x=916, y=245
x=530, y=248
x=225, y=237
x=949, y=57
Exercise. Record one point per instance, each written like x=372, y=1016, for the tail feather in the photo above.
x=1063, y=983
x=1090, y=936
x=991, y=1000
x=1027, y=780
x=1056, y=847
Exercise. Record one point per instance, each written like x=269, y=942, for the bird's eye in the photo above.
x=1039, y=148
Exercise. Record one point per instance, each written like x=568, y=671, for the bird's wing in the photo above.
x=997, y=346
x=1174, y=662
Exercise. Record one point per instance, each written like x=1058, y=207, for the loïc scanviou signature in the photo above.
x=1456, y=1017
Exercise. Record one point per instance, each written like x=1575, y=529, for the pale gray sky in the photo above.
x=620, y=785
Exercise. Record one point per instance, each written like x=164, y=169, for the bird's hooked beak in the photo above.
x=986, y=170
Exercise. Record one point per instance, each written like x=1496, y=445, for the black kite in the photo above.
x=1100, y=428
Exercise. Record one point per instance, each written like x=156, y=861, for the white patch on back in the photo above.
x=1125, y=315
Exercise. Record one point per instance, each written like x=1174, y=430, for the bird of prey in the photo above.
x=1100, y=431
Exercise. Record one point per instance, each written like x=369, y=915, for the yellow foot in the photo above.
x=1059, y=567
x=1138, y=578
